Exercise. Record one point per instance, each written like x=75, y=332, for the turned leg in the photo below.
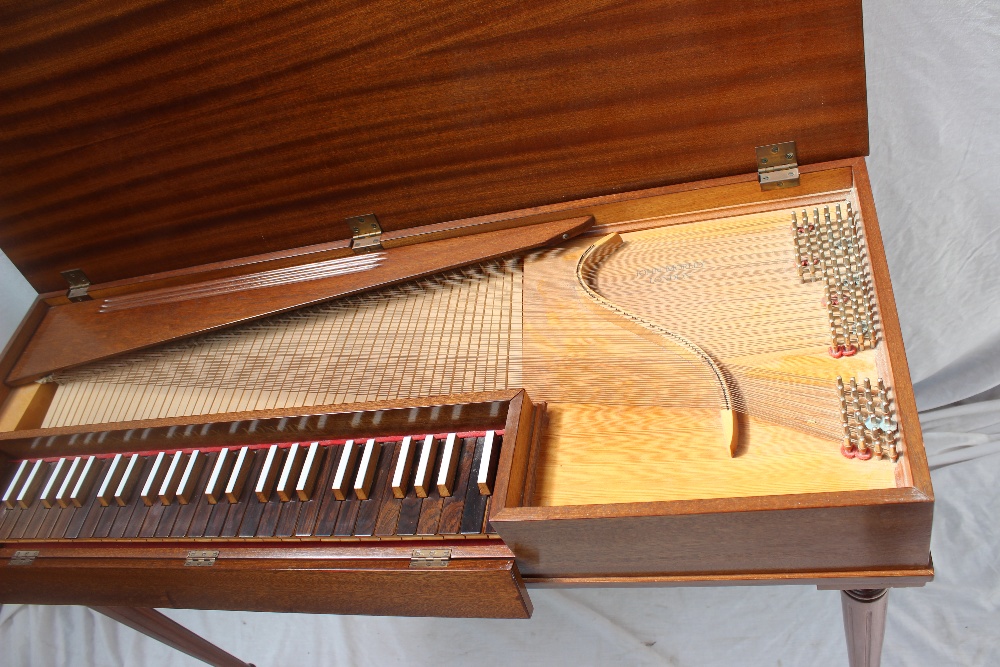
x=154, y=624
x=864, y=623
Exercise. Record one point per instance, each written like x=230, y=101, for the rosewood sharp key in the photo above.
x=32, y=483
x=294, y=458
x=366, y=469
x=106, y=491
x=449, y=464
x=401, y=475
x=423, y=481
x=53, y=483
x=189, y=479
x=62, y=496
x=216, y=488
x=10, y=495
x=130, y=477
x=85, y=482
x=168, y=489
x=151, y=488
x=342, y=478
x=310, y=471
x=238, y=477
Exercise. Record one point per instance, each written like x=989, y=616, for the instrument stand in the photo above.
x=154, y=624
x=864, y=625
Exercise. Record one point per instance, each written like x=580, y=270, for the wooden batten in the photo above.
x=480, y=581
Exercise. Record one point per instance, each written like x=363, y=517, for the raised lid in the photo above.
x=160, y=135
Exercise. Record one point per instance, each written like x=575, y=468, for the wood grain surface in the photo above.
x=481, y=587
x=77, y=333
x=156, y=135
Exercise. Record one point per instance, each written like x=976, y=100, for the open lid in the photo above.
x=163, y=135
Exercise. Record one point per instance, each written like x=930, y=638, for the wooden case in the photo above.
x=167, y=147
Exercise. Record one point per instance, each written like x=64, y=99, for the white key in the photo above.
x=106, y=491
x=238, y=478
x=10, y=495
x=51, y=488
x=310, y=470
x=151, y=489
x=341, y=480
x=423, y=481
x=32, y=482
x=85, y=482
x=366, y=470
x=129, y=479
x=449, y=464
x=487, y=464
x=268, y=474
x=62, y=496
x=168, y=489
x=290, y=472
x=401, y=475
x=216, y=488
x=192, y=471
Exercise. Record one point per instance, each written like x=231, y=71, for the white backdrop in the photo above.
x=934, y=108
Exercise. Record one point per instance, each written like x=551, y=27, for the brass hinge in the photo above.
x=430, y=558
x=366, y=233
x=23, y=558
x=777, y=166
x=201, y=558
x=79, y=283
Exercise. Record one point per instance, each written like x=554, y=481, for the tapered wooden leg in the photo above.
x=154, y=624
x=864, y=624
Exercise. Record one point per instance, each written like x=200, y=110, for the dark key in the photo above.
x=51, y=517
x=134, y=503
x=475, y=501
x=36, y=521
x=268, y=518
x=329, y=509
x=409, y=513
x=169, y=515
x=288, y=517
x=204, y=508
x=247, y=499
x=380, y=487
x=94, y=469
x=24, y=520
x=192, y=489
x=309, y=514
x=454, y=505
x=388, y=515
